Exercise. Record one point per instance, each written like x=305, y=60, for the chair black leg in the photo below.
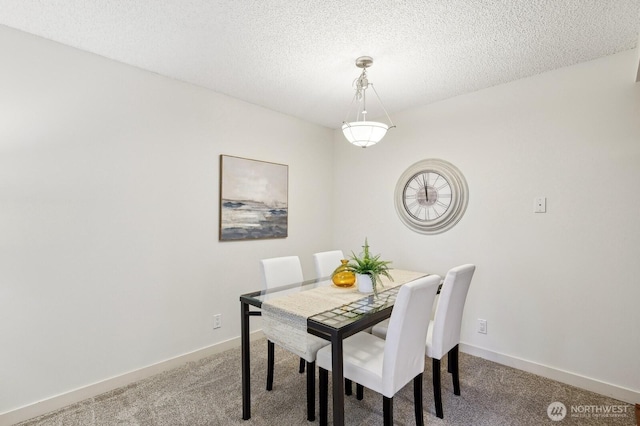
x=417, y=399
x=453, y=369
x=359, y=391
x=387, y=410
x=302, y=362
x=347, y=387
x=311, y=391
x=323, y=390
x=437, y=391
x=270, y=355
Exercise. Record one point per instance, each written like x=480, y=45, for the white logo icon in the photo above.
x=556, y=411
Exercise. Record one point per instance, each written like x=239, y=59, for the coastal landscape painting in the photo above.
x=253, y=199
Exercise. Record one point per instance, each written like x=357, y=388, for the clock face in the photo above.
x=431, y=196
x=427, y=196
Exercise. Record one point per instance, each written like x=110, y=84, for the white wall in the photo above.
x=559, y=290
x=109, y=252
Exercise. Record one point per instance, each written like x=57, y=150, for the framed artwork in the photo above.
x=253, y=199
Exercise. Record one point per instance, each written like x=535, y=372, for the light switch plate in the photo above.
x=482, y=326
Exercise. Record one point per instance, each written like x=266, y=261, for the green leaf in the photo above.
x=367, y=264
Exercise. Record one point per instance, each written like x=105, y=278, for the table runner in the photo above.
x=285, y=318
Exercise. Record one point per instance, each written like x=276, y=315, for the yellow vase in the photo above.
x=343, y=277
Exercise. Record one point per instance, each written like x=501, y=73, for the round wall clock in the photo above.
x=431, y=196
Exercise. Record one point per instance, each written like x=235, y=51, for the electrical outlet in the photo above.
x=217, y=321
x=482, y=326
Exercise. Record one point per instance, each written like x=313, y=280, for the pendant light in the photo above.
x=362, y=132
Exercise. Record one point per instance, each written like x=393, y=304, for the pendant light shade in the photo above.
x=364, y=133
x=360, y=131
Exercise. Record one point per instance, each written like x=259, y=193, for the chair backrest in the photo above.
x=404, y=346
x=447, y=320
x=279, y=271
x=326, y=262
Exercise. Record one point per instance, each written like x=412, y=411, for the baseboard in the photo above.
x=622, y=394
x=62, y=400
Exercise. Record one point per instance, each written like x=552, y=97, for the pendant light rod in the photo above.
x=382, y=105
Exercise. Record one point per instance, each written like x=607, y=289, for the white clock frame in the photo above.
x=456, y=208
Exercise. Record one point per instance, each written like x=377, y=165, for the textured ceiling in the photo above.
x=297, y=56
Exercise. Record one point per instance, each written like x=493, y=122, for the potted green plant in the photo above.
x=368, y=269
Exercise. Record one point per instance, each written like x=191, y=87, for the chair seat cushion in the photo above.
x=363, y=358
x=380, y=329
x=311, y=344
x=314, y=344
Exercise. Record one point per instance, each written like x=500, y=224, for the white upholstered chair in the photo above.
x=443, y=335
x=326, y=262
x=386, y=366
x=281, y=271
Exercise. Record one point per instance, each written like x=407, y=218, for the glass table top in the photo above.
x=351, y=312
x=256, y=298
x=337, y=317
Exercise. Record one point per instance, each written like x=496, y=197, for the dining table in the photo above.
x=317, y=307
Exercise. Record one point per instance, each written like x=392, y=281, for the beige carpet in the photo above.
x=208, y=392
